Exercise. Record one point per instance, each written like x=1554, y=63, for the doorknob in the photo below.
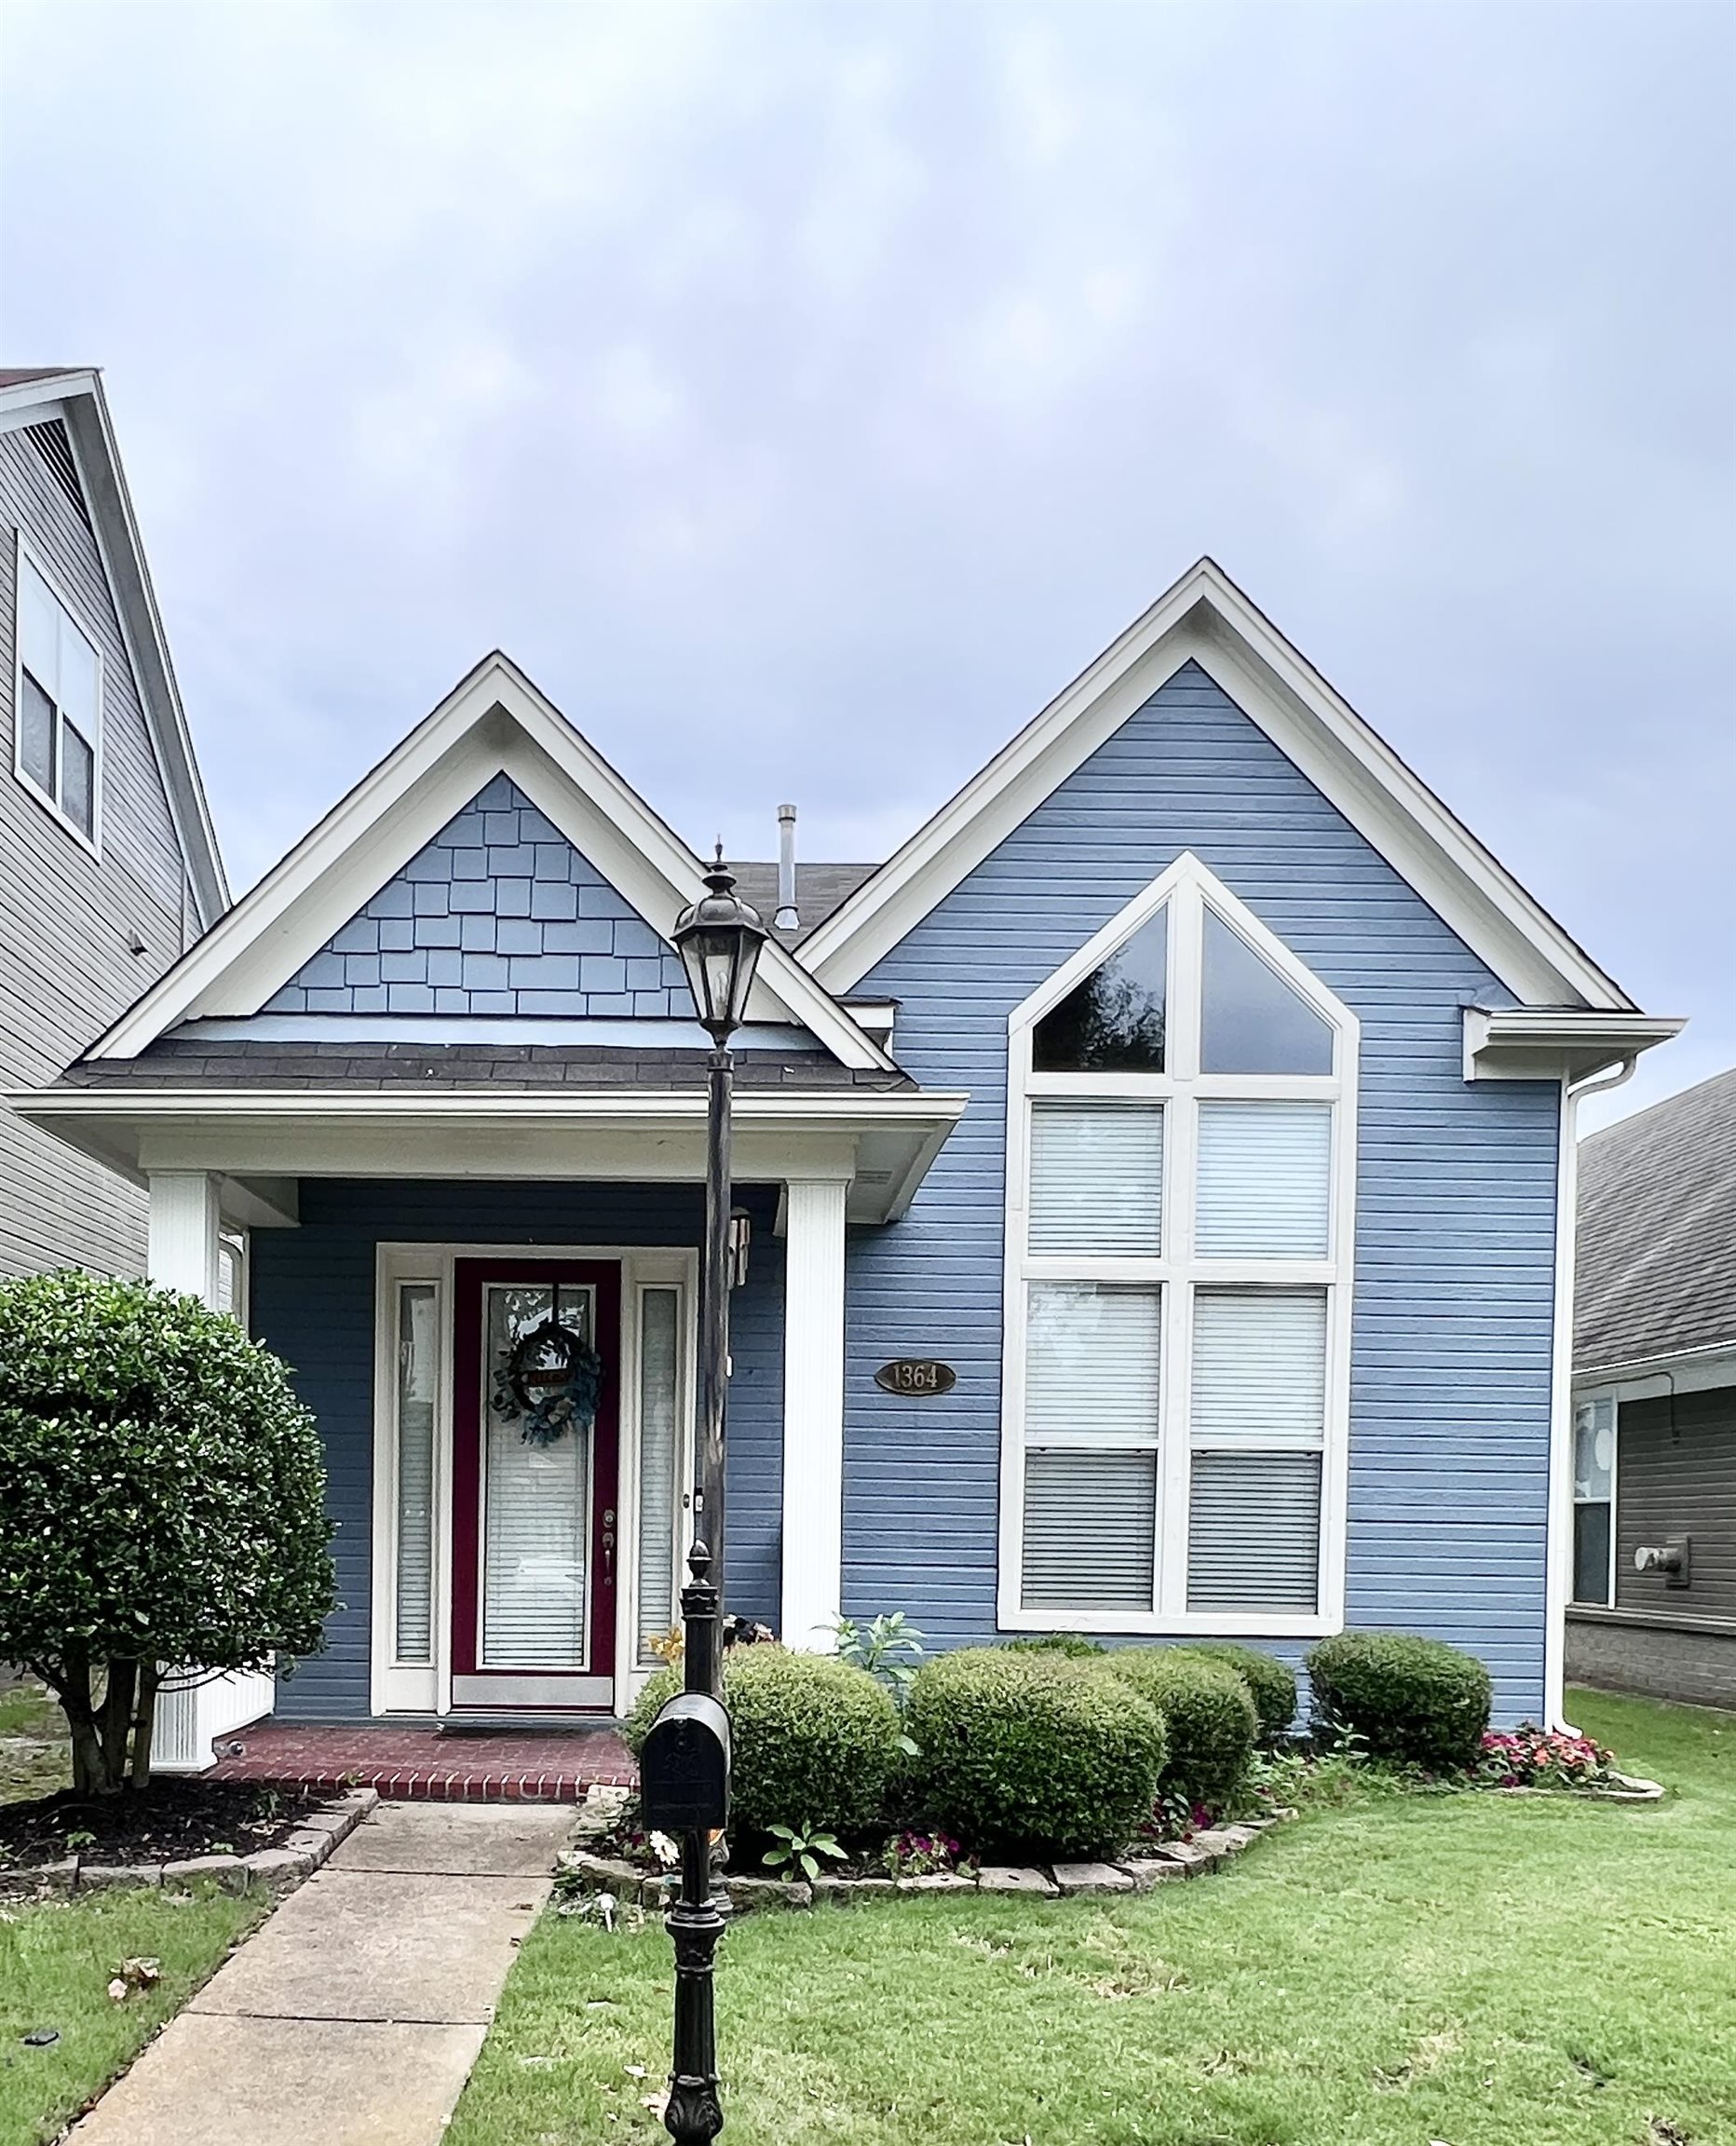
x=608, y=1545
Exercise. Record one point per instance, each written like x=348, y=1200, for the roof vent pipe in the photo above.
x=788, y=918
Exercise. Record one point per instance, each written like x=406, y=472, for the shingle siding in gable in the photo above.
x=1456, y=1203
x=66, y=917
x=499, y=914
x=311, y=1299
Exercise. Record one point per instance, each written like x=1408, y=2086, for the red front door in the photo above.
x=535, y=1499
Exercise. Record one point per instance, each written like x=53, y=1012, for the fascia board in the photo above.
x=373, y=832
x=1206, y=618
x=103, y=476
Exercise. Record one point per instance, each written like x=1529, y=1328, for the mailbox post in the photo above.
x=684, y=1766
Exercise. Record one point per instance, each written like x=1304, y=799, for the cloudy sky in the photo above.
x=838, y=380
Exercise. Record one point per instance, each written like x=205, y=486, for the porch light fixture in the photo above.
x=740, y=1235
x=719, y=940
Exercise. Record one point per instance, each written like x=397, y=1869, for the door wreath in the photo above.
x=550, y=1378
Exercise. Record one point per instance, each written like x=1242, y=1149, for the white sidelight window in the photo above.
x=660, y=1452
x=418, y=1389
x=1180, y=1172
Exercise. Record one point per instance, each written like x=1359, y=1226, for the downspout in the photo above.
x=1559, y=1550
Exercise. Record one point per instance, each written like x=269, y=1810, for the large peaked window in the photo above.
x=1180, y=1173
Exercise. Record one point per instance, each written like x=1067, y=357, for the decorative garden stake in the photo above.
x=685, y=1767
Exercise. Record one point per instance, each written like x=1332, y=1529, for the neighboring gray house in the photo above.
x=1654, y=1387
x=108, y=866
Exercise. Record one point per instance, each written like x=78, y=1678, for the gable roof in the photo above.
x=1206, y=619
x=819, y=890
x=494, y=722
x=1656, y=1262
x=73, y=395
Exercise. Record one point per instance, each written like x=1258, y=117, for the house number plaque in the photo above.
x=916, y=1375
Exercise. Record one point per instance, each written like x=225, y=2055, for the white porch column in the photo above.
x=182, y=1245
x=813, y=1411
x=182, y=1253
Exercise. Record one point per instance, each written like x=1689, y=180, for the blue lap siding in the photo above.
x=1454, y=1228
x=312, y=1293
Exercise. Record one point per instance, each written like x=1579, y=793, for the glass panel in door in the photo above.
x=536, y=1495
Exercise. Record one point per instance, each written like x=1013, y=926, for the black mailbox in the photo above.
x=684, y=1769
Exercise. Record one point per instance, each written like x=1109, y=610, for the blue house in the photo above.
x=1193, y=1085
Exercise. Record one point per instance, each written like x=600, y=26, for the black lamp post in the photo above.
x=686, y=1760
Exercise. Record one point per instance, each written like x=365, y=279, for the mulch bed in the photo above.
x=166, y=1822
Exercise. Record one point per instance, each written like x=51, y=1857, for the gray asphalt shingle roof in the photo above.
x=1656, y=1250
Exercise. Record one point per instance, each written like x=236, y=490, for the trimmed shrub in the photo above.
x=1271, y=1683
x=1207, y=1711
x=1030, y=1753
x=1417, y=1701
x=813, y=1741
x=162, y=1499
x=1073, y=1644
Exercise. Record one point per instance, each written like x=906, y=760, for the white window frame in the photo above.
x=420, y=1688
x=26, y=556
x=1188, y=887
x=1590, y=1399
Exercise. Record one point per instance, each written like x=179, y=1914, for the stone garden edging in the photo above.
x=276, y=1869
x=1164, y=1861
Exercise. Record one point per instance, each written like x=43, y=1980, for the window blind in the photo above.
x=658, y=1402
x=1265, y=1180
x=1253, y=1532
x=1259, y=1365
x=1089, y=1528
x=1093, y=1361
x=418, y=1369
x=1096, y=1177
x=535, y=1534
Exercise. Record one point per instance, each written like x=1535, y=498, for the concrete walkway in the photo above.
x=353, y=2017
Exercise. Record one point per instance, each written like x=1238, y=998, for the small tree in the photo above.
x=161, y=1501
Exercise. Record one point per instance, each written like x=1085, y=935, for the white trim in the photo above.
x=26, y=556
x=882, y=1142
x=1189, y=888
x=1700, y=1370
x=1528, y=1043
x=396, y=1687
x=1206, y=619
x=494, y=722
x=813, y=1413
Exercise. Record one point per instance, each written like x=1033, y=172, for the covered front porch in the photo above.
x=394, y=1242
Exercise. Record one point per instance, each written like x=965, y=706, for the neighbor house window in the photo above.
x=59, y=726
x=1595, y=1501
x=1180, y=1121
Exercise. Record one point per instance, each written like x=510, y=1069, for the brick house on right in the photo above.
x=1654, y=1600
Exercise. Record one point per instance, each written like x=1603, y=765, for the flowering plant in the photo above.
x=922, y=1855
x=1175, y=1818
x=1533, y=1757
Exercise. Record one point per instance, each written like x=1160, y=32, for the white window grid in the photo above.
x=1187, y=887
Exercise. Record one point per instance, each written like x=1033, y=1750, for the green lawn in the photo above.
x=1479, y=1970
x=57, y=1958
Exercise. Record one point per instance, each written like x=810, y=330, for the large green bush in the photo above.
x=1032, y=1753
x=1206, y=1710
x=1271, y=1683
x=162, y=1499
x=1418, y=1701
x=813, y=1741
x=1071, y=1643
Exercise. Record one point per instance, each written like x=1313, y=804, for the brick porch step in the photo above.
x=420, y=1765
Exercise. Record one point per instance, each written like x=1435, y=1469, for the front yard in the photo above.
x=58, y=1956
x=1474, y=1969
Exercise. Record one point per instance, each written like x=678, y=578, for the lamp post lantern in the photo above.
x=684, y=1766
